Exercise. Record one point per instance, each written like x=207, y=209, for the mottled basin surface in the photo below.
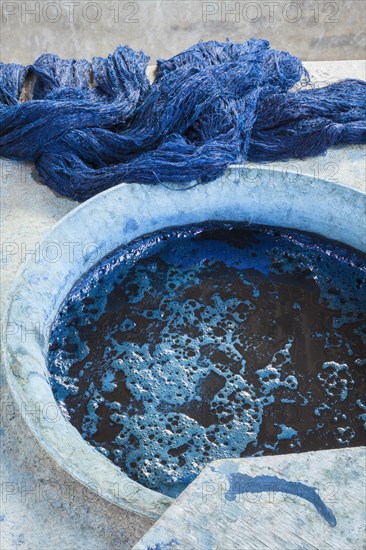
x=212, y=341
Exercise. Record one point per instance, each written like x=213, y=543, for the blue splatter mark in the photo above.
x=242, y=483
x=163, y=545
x=131, y=225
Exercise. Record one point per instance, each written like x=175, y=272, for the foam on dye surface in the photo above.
x=213, y=341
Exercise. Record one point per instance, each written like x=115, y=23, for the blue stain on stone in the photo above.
x=130, y=225
x=164, y=545
x=243, y=483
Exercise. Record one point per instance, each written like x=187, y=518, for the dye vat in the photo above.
x=213, y=341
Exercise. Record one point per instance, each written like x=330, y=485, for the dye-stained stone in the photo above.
x=311, y=500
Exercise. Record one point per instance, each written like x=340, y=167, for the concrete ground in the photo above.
x=318, y=31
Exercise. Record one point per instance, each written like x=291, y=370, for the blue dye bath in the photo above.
x=214, y=341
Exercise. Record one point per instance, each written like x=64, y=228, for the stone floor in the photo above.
x=162, y=28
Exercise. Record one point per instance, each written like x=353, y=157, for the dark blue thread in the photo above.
x=93, y=125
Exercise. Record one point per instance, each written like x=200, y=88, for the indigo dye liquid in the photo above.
x=213, y=341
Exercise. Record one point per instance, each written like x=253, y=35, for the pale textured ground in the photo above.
x=162, y=28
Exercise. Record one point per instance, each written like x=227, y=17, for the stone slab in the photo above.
x=314, y=500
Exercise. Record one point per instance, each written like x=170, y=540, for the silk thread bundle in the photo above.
x=90, y=126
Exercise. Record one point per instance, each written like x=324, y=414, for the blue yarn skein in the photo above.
x=92, y=125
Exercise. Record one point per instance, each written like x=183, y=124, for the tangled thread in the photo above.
x=90, y=126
